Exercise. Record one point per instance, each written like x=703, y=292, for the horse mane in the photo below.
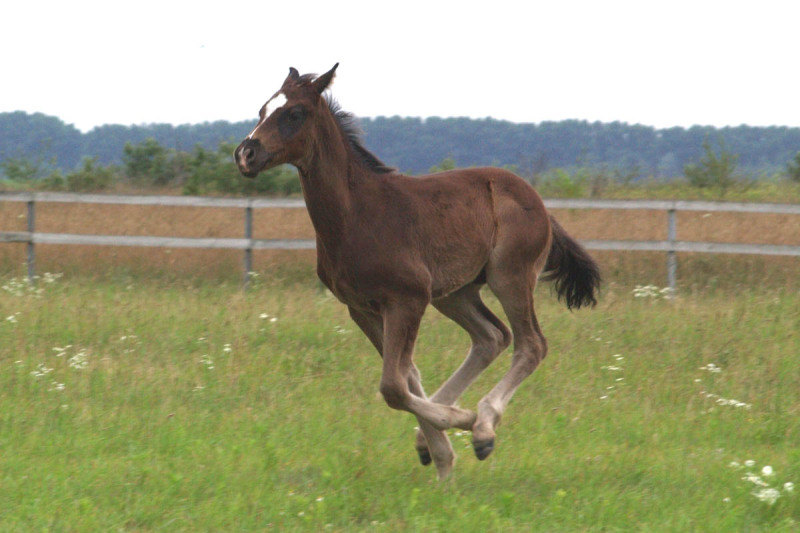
x=349, y=125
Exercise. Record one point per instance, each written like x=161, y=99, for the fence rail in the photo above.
x=247, y=243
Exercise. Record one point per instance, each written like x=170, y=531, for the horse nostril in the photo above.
x=249, y=154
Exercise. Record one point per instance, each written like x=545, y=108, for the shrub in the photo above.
x=215, y=171
x=150, y=163
x=25, y=171
x=793, y=168
x=89, y=176
x=559, y=183
x=713, y=170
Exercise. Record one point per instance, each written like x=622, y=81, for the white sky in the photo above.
x=659, y=63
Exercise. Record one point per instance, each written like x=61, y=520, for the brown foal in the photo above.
x=389, y=244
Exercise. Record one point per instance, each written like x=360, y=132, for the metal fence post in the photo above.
x=248, y=252
x=31, y=252
x=672, y=259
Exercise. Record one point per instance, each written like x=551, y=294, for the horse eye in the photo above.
x=291, y=121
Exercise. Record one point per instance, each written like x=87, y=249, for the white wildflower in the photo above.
x=41, y=370
x=12, y=319
x=612, y=368
x=56, y=386
x=768, y=495
x=227, y=348
x=645, y=291
x=749, y=463
x=206, y=360
x=653, y=292
x=667, y=293
x=755, y=479
x=735, y=464
x=726, y=401
x=61, y=351
x=48, y=277
x=79, y=361
x=263, y=316
x=767, y=471
x=788, y=486
x=711, y=367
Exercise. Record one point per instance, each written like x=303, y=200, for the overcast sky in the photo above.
x=659, y=63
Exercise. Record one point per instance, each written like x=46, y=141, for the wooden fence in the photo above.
x=671, y=246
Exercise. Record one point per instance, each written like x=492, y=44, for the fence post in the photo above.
x=672, y=259
x=248, y=252
x=31, y=253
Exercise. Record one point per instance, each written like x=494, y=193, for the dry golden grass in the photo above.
x=756, y=228
x=294, y=223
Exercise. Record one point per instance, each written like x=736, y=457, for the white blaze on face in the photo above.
x=273, y=104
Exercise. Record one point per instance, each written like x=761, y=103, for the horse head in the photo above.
x=285, y=122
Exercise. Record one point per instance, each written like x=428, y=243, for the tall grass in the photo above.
x=150, y=405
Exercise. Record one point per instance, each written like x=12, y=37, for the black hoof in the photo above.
x=483, y=449
x=424, y=457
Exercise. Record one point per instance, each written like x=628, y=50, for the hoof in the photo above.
x=483, y=449
x=424, y=456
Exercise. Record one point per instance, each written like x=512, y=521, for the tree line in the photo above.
x=149, y=165
x=413, y=145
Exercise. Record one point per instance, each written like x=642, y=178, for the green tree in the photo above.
x=793, y=168
x=149, y=162
x=209, y=171
x=215, y=171
x=20, y=170
x=448, y=163
x=714, y=169
x=24, y=170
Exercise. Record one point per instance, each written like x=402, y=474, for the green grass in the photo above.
x=287, y=431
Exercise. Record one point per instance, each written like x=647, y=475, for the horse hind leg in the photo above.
x=515, y=292
x=489, y=338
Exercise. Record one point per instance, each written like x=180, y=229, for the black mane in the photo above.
x=348, y=123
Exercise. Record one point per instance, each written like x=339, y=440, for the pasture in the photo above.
x=141, y=404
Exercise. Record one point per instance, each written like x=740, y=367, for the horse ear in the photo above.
x=322, y=82
x=293, y=74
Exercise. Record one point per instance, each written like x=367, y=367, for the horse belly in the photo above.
x=457, y=258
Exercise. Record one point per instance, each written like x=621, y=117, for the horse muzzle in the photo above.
x=251, y=158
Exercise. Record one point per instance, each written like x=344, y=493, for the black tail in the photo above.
x=576, y=275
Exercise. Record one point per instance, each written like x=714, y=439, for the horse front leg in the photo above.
x=401, y=388
x=442, y=450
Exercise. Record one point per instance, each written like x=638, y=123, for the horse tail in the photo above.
x=569, y=265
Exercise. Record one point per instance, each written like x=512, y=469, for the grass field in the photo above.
x=190, y=406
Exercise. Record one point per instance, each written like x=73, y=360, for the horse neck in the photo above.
x=328, y=176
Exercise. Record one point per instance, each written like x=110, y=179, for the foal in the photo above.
x=388, y=245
